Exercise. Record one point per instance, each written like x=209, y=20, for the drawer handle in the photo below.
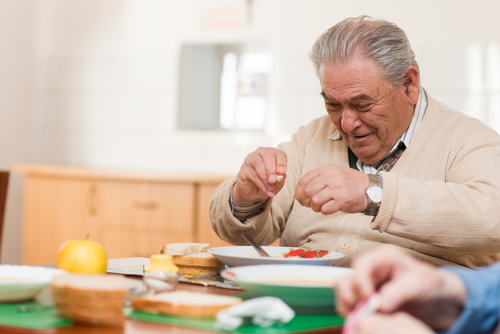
x=146, y=205
x=92, y=200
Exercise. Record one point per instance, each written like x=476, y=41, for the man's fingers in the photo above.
x=304, y=190
x=269, y=163
x=281, y=163
x=329, y=207
x=256, y=179
x=258, y=165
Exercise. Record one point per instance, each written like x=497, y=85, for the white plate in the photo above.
x=304, y=288
x=234, y=256
x=18, y=283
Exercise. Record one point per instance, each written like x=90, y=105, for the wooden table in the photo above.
x=140, y=327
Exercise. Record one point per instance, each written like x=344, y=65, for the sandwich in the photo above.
x=184, y=304
x=192, y=258
x=92, y=300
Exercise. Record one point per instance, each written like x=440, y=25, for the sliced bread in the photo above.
x=195, y=270
x=95, y=300
x=192, y=258
x=198, y=259
x=186, y=248
x=184, y=303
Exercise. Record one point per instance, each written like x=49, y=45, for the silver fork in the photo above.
x=255, y=245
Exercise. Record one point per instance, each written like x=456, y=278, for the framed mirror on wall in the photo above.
x=224, y=86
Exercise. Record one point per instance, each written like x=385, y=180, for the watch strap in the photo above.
x=373, y=207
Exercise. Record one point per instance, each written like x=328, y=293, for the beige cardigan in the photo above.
x=441, y=200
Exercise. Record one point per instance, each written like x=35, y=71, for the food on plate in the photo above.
x=184, y=303
x=82, y=256
x=306, y=253
x=192, y=258
x=93, y=300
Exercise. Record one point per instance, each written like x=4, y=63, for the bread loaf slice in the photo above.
x=94, y=300
x=184, y=304
x=195, y=270
x=192, y=258
x=198, y=259
x=186, y=248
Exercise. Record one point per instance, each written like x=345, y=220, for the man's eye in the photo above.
x=333, y=106
x=364, y=107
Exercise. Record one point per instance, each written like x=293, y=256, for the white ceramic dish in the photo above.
x=19, y=283
x=304, y=288
x=234, y=256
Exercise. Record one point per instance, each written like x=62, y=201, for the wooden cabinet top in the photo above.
x=75, y=172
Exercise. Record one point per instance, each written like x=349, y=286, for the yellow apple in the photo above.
x=82, y=256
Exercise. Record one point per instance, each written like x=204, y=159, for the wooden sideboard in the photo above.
x=131, y=214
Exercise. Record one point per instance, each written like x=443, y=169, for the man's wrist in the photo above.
x=243, y=212
x=373, y=195
x=241, y=201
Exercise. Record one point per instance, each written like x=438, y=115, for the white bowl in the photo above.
x=20, y=283
x=234, y=256
x=306, y=289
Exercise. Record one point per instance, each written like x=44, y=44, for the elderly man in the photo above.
x=388, y=164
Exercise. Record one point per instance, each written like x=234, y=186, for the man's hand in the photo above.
x=331, y=188
x=430, y=294
x=256, y=180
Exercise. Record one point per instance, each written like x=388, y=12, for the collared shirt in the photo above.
x=416, y=120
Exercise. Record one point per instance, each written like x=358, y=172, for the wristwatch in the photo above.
x=374, y=195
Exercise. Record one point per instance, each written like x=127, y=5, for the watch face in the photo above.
x=375, y=194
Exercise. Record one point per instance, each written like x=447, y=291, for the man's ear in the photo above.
x=411, y=84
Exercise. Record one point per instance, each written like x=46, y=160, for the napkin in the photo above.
x=263, y=311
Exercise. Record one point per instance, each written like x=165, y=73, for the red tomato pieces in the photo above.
x=311, y=254
x=322, y=253
x=308, y=254
x=295, y=252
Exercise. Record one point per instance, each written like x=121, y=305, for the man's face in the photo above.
x=368, y=111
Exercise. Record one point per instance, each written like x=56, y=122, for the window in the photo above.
x=224, y=87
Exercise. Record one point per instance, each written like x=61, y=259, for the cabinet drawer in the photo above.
x=146, y=207
x=54, y=212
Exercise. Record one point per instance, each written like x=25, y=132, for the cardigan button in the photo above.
x=344, y=244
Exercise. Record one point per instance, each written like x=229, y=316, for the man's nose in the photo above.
x=350, y=120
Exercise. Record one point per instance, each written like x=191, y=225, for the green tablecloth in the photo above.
x=41, y=319
x=48, y=318
x=300, y=322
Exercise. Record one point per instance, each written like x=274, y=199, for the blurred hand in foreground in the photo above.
x=405, y=284
x=257, y=179
x=396, y=323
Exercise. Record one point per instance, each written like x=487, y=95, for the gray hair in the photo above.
x=382, y=41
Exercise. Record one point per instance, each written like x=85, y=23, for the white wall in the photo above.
x=16, y=103
x=98, y=78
